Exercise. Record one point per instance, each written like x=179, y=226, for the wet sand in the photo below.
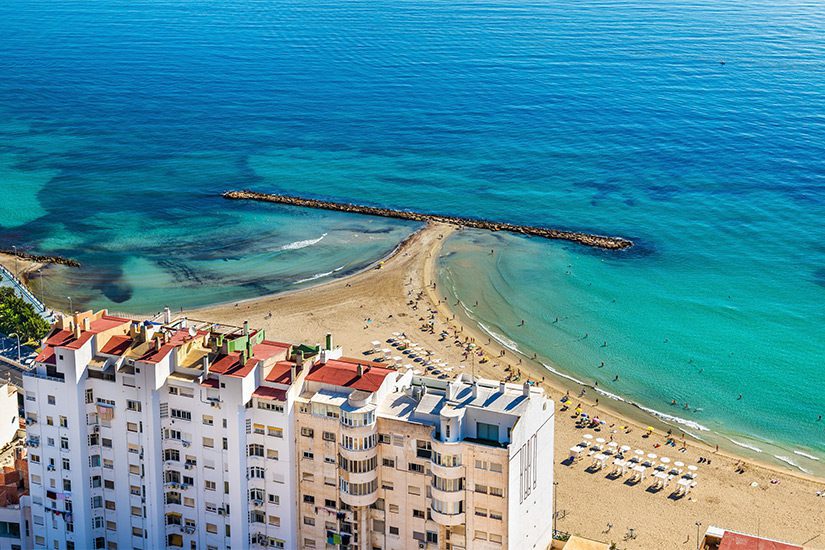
x=399, y=297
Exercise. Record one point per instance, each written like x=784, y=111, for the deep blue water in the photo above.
x=696, y=128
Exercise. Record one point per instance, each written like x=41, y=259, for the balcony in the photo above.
x=449, y=520
x=447, y=491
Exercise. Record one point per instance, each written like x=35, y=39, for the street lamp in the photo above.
x=71, y=308
x=698, y=525
x=555, y=510
x=18, y=344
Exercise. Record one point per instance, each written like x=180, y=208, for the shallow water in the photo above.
x=121, y=122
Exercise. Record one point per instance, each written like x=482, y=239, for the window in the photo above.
x=309, y=499
x=212, y=528
x=255, y=449
x=307, y=432
x=255, y=472
x=481, y=464
x=208, y=420
x=495, y=538
x=133, y=405
x=274, y=520
x=208, y=442
x=309, y=520
x=495, y=515
x=388, y=462
x=133, y=427
x=387, y=485
x=64, y=422
x=309, y=455
x=210, y=485
x=51, y=400
x=274, y=499
x=393, y=530
x=417, y=468
x=256, y=516
x=488, y=432
x=272, y=453
x=418, y=514
x=64, y=443
x=481, y=488
x=384, y=438
x=423, y=449
x=181, y=414
x=481, y=512
x=412, y=490
x=495, y=467
x=480, y=535
x=308, y=476
x=328, y=436
x=432, y=537
x=171, y=454
x=496, y=491
x=274, y=432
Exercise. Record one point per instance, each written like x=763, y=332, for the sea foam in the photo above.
x=297, y=245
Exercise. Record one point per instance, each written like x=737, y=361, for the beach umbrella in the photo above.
x=639, y=452
x=397, y=358
x=692, y=468
x=651, y=456
x=599, y=440
x=625, y=448
x=650, y=428
x=578, y=410
x=396, y=334
x=678, y=463
x=664, y=460
x=613, y=444
x=588, y=436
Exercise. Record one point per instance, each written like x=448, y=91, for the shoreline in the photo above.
x=627, y=410
x=373, y=303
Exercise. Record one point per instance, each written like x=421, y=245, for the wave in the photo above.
x=506, y=342
x=744, y=445
x=790, y=462
x=318, y=276
x=671, y=418
x=297, y=245
x=806, y=455
x=567, y=376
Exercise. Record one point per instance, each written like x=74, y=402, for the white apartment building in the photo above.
x=150, y=435
x=188, y=434
x=391, y=461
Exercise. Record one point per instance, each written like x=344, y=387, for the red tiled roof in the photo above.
x=242, y=371
x=267, y=349
x=117, y=345
x=264, y=392
x=226, y=363
x=210, y=383
x=344, y=372
x=47, y=356
x=281, y=372
x=738, y=541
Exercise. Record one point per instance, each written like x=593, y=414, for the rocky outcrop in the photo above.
x=587, y=239
x=40, y=259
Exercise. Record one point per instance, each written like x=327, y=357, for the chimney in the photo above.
x=184, y=323
x=76, y=330
x=133, y=330
x=87, y=324
x=475, y=388
x=502, y=386
x=299, y=358
x=329, y=340
x=167, y=316
x=293, y=373
x=246, y=328
x=526, y=389
x=360, y=371
x=205, y=365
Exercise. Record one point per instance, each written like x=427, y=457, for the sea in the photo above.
x=695, y=128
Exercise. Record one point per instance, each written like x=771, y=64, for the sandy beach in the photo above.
x=397, y=295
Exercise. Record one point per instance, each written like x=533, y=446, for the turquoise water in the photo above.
x=694, y=127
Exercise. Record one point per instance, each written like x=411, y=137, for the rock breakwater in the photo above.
x=40, y=259
x=586, y=239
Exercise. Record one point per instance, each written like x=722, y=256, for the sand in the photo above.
x=377, y=302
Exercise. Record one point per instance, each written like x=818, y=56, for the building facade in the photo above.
x=188, y=434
